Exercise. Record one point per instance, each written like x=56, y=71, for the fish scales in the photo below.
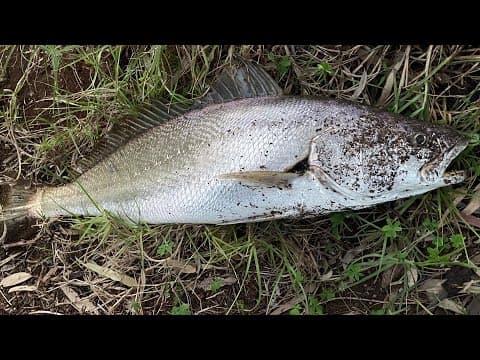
x=169, y=173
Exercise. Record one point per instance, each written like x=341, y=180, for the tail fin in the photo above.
x=16, y=201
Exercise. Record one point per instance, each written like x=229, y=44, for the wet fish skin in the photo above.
x=357, y=156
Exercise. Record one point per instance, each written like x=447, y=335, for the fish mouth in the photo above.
x=437, y=170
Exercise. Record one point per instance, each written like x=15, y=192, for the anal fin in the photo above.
x=262, y=178
x=268, y=216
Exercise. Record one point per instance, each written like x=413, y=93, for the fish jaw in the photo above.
x=435, y=172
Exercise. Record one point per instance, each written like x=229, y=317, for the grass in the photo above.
x=56, y=102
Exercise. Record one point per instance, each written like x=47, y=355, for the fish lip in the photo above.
x=436, y=170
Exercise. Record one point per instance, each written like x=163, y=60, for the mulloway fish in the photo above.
x=248, y=153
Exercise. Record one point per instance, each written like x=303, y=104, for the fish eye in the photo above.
x=420, y=139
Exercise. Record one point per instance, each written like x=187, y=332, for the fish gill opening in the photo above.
x=301, y=166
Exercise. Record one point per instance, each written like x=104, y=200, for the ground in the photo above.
x=412, y=256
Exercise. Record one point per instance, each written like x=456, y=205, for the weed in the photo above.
x=216, y=284
x=165, y=249
x=354, y=271
x=295, y=310
x=181, y=309
x=314, y=307
x=391, y=229
x=327, y=294
x=282, y=63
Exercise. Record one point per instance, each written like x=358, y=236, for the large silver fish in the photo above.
x=248, y=153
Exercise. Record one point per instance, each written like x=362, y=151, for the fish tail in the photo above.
x=17, y=201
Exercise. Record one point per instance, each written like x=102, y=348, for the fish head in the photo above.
x=385, y=157
x=431, y=150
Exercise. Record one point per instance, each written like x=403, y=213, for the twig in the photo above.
x=4, y=233
x=19, y=243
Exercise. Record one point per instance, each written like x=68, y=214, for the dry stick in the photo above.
x=387, y=88
x=372, y=52
x=19, y=243
x=474, y=202
x=8, y=302
x=4, y=233
x=360, y=299
x=472, y=220
x=44, y=312
x=427, y=71
x=17, y=149
x=22, y=242
x=459, y=78
x=404, y=77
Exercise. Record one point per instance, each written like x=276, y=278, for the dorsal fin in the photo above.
x=247, y=81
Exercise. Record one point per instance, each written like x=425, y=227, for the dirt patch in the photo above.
x=361, y=299
x=38, y=86
x=14, y=70
x=31, y=96
x=36, y=260
x=456, y=277
x=76, y=78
